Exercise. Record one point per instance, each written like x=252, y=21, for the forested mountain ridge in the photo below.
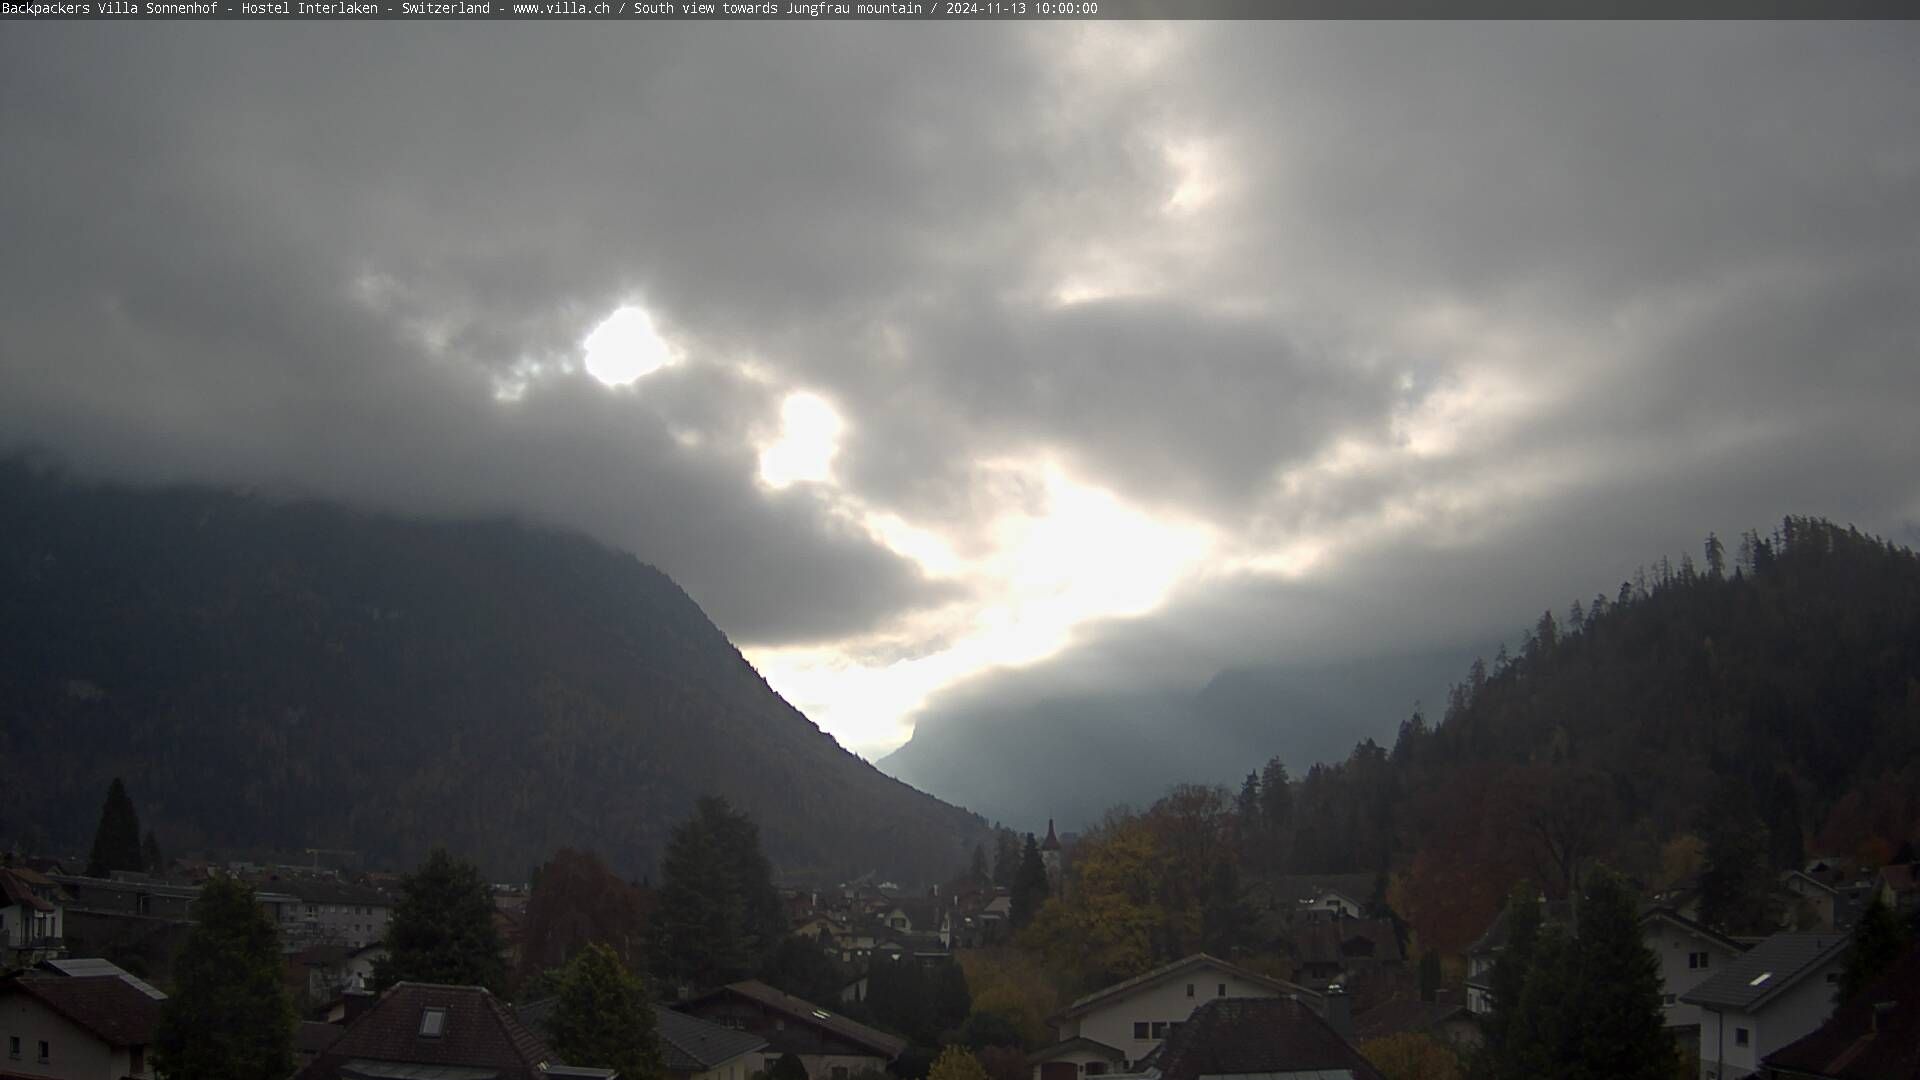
x=1768, y=702
x=295, y=674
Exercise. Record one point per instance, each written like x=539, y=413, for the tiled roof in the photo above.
x=1325, y=942
x=1495, y=937
x=110, y=1008
x=94, y=966
x=314, y=1037
x=1403, y=1014
x=1855, y=1044
x=479, y=1032
x=1293, y=889
x=1667, y=914
x=1178, y=967
x=1240, y=1036
x=16, y=888
x=885, y=1045
x=1750, y=980
x=693, y=1045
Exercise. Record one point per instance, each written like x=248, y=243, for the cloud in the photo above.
x=1122, y=353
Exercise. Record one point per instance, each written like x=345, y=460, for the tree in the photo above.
x=150, y=857
x=1006, y=857
x=603, y=1018
x=1507, y=982
x=718, y=916
x=577, y=901
x=1029, y=885
x=1541, y=1034
x=1620, y=1023
x=1734, y=885
x=788, y=1067
x=977, y=870
x=1878, y=943
x=1430, y=975
x=800, y=967
x=952, y=1000
x=442, y=929
x=116, y=841
x=228, y=1015
x=955, y=1063
x=1412, y=1055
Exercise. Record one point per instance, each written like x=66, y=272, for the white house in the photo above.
x=1113, y=1029
x=1689, y=955
x=93, y=1027
x=32, y=918
x=1776, y=992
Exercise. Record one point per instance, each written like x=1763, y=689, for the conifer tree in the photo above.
x=978, y=870
x=719, y=917
x=228, y=1015
x=788, y=1067
x=1621, y=1028
x=116, y=842
x=1509, y=977
x=1878, y=943
x=442, y=929
x=150, y=856
x=1430, y=975
x=603, y=1018
x=1545, y=1026
x=1030, y=885
x=1006, y=857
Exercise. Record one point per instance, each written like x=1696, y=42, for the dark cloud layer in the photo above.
x=1472, y=318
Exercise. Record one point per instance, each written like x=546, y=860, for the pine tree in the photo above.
x=603, y=1018
x=1430, y=975
x=1541, y=1036
x=1621, y=1027
x=442, y=929
x=228, y=1015
x=1030, y=885
x=116, y=842
x=1006, y=857
x=978, y=870
x=1878, y=943
x=1508, y=980
x=150, y=857
x=1734, y=885
x=719, y=916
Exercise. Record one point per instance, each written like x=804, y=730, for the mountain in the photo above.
x=282, y=674
x=1070, y=758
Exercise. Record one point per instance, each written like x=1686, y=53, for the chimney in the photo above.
x=1339, y=1011
x=357, y=1002
x=1882, y=1010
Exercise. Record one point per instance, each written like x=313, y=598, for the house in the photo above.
x=1448, y=1021
x=90, y=1027
x=427, y=1029
x=333, y=912
x=32, y=918
x=1260, y=1039
x=1876, y=1036
x=1689, y=955
x=83, y=968
x=1337, y=950
x=1816, y=897
x=1774, y=993
x=1124, y=1022
x=697, y=1050
x=832, y=1047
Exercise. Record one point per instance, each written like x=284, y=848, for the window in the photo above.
x=138, y=1062
x=1669, y=1000
x=839, y=1072
x=1223, y=990
x=1159, y=1029
x=1189, y=989
x=44, y=1051
x=13, y=1047
x=433, y=1022
x=1740, y=1037
x=1140, y=1029
x=1698, y=961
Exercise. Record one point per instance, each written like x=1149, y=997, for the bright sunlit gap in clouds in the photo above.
x=625, y=347
x=1080, y=555
x=809, y=438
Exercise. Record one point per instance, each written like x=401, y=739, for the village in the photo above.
x=85, y=955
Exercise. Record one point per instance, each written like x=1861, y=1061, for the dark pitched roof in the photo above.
x=83, y=966
x=1173, y=970
x=1052, y=842
x=1238, y=1036
x=1333, y=942
x=1294, y=889
x=17, y=888
x=479, y=1032
x=327, y=891
x=692, y=1045
x=1855, y=1044
x=109, y=1007
x=1752, y=979
x=883, y=1044
x=1403, y=1014
x=1495, y=937
x=1668, y=915
x=1068, y=1046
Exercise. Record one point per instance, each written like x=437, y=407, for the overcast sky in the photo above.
x=939, y=359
